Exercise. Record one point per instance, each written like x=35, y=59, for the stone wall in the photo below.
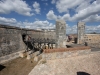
x=11, y=41
x=44, y=34
x=92, y=40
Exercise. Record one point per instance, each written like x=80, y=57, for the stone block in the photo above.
x=32, y=55
x=23, y=54
x=36, y=58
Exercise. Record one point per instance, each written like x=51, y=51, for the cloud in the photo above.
x=65, y=17
x=71, y=29
x=51, y=16
x=84, y=10
x=19, y=6
x=92, y=18
x=4, y=20
x=64, y=5
x=39, y=25
x=31, y=25
x=36, y=7
x=94, y=28
x=87, y=12
x=46, y=25
x=88, y=29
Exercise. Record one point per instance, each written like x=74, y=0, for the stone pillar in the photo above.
x=60, y=34
x=80, y=32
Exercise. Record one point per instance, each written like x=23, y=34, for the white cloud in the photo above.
x=64, y=5
x=92, y=18
x=65, y=17
x=88, y=29
x=94, y=28
x=87, y=12
x=32, y=25
x=51, y=16
x=36, y=7
x=7, y=20
x=46, y=25
x=39, y=24
x=83, y=5
x=71, y=29
x=19, y=6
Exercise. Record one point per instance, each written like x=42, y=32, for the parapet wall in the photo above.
x=65, y=52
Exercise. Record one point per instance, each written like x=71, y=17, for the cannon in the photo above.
x=38, y=44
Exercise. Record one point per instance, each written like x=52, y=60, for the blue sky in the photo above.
x=42, y=14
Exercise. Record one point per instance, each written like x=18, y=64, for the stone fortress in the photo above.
x=12, y=41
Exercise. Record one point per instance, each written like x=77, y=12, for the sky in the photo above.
x=42, y=14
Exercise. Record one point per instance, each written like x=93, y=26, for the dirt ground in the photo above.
x=19, y=66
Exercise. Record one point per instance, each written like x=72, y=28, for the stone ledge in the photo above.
x=65, y=53
x=9, y=57
x=66, y=49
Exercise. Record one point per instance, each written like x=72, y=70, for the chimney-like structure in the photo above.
x=60, y=34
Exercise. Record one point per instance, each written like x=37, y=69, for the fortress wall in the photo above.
x=93, y=40
x=44, y=34
x=11, y=42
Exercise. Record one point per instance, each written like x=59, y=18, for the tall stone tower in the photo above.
x=80, y=32
x=60, y=34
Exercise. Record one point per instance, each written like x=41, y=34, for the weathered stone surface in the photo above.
x=65, y=52
x=70, y=66
x=81, y=32
x=9, y=57
x=22, y=54
x=60, y=34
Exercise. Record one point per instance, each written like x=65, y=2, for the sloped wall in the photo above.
x=10, y=40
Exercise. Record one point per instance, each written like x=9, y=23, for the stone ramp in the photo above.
x=89, y=64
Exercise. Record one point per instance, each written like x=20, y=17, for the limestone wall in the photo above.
x=11, y=41
x=93, y=40
x=44, y=34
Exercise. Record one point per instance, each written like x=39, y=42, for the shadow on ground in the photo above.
x=82, y=73
x=2, y=67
